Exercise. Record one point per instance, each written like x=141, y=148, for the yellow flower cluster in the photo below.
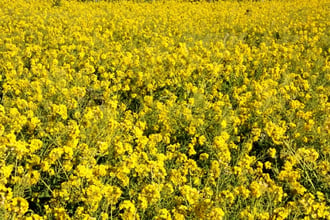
x=164, y=110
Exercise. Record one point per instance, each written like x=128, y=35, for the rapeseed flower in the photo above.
x=165, y=110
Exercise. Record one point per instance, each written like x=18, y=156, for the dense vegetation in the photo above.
x=164, y=110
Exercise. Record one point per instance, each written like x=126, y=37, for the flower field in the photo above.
x=164, y=110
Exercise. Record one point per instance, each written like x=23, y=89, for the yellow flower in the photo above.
x=276, y=132
x=256, y=189
x=192, y=130
x=60, y=213
x=190, y=194
x=150, y=194
x=191, y=150
x=83, y=171
x=67, y=153
x=216, y=214
x=307, y=155
x=163, y=214
x=93, y=196
x=102, y=146
x=298, y=188
x=55, y=154
x=244, y=192
x=34, y=217
x=18, y=205
x=45, y=165
x=227, y=196
x=34, y=177
x=156, y=109
x=61, y=110
x=177, y=215
x=268, y=165
x=224, y=124
x=263, y=216
x=281, y=213
x=203, y=156
x=272, y=152
x=215, y=169
x=201, y=140
x=130, y=212
x=35, y=144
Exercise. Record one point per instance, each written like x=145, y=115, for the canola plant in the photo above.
x=164, y=110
